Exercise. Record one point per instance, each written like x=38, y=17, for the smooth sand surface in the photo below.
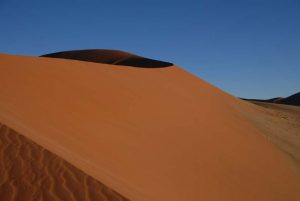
x=29, y=172
x=281, y=125
x=151, y=134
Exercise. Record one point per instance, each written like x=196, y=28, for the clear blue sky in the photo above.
x=249, y=48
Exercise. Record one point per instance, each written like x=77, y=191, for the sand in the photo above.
x=29, y=172
x=281, y=125
x=147, y=133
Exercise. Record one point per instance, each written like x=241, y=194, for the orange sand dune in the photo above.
x=115, y=57
x=29, y=172
x=151, y=134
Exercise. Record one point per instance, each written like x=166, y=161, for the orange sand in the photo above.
x=281, y=125
x=150, y=134
x=29, y=172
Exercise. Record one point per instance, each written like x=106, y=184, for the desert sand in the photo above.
x=29, y=172
x=147, y=133
x=281, y=126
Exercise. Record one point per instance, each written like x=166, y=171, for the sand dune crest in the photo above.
x=115, y=57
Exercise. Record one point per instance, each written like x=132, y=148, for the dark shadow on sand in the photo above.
x=114, y=57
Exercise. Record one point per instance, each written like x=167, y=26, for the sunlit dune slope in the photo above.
x=29, y=172
x=151, y=134
x=115, y=57
x=281, y=125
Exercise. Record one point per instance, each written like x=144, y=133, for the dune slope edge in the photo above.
x=148, y=133
x=281, y=125
x=29, y=172
x=114, y=57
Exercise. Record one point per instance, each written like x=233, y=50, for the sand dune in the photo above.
x=281, y=125
x=148, y=133
x=29, y=172
x=290, y=100
x=115, y=57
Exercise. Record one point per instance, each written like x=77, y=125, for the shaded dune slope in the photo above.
x=29, y=172
x=291, y=100
x=149, y=134
x=115, y=57
x=271, y=100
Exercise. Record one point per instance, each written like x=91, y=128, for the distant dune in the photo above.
x=291, y=100
x=148, y=134
x=29, y=172
x=115, y=57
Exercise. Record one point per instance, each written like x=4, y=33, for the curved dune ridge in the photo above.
x=29, y=172
x=149, y=134
x=114, y=57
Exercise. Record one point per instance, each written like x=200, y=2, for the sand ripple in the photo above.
x=29, y=172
